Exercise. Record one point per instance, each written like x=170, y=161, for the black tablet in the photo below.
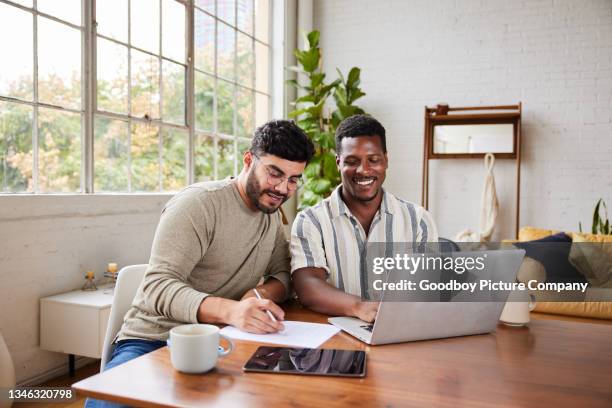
x=284, y=360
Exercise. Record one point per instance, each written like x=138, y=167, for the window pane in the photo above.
x=59, y=151
x=144, y=17
x=204, y=158
x=245, y=15
x=173, y=30
x=112, y=19
x=17, y=54
x=67, y=10
x=204, y=42
x=262, y=24
x=226, y=11
x=174, y=159
x=112, y=71
x=262, y=67
x=245, y=60
x=208, y=5
x=59, y=67
x=243, y=146
x=225, y=158
x=145, y=157
x=15, y=148
x=244, y=112
x=204, y=101
x=262, y=109
x=111, y=153
x=174, y=92
x=225, y=52
x=145, y=85
x=225, y=107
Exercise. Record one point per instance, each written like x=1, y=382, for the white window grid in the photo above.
x=36, y=104
x=89, y=109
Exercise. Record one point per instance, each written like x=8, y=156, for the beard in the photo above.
x=254, y=191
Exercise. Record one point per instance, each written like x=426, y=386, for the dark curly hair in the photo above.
x=282, y=138
x=360, y=125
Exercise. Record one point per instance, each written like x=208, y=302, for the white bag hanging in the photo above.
x=488, y=210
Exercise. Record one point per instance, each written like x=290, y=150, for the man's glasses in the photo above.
x=276, y=177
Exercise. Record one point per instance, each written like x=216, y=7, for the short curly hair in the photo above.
x=360, y=125
x=282, y=138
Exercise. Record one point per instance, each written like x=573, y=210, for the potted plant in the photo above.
x=321, y=175
x=601, y=224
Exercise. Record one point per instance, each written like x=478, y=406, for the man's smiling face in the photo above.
x=269, y=182
x=363, y=165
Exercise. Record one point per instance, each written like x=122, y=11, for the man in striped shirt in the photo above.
x=329, y=240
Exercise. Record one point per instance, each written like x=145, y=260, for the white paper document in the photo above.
x=296, y=334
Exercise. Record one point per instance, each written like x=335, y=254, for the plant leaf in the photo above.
x=316, y=79
x=596, y=218
x=330, y=168
x=356, y=95
x=313, y=38
x=320, y=186
x=353, y=77
x=305, y=98
x=294, y=83
x=340, y=75
x=313, y=169
x=296, y=113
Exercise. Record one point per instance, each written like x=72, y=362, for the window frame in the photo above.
x=35, y=103
x=89, y=109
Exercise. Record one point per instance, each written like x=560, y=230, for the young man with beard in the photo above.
x=214, y=243
x=328, y=241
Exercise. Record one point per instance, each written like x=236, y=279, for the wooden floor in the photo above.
x=64, y=381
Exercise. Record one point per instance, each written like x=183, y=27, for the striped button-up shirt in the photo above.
x=328, y=236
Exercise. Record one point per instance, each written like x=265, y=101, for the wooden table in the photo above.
x=550, y=363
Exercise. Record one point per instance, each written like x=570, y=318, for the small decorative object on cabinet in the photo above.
x=111, y=272
x=89, y=282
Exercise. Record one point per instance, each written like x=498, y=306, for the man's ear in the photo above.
x=247, y=159
x=338, y=161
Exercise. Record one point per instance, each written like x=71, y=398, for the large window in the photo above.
x=137, y=106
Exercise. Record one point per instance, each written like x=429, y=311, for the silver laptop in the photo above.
x=401, y=321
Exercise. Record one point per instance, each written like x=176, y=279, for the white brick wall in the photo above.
x=46, y=245
x=554, y=56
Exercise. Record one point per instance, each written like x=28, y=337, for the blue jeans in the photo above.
x=124, y=351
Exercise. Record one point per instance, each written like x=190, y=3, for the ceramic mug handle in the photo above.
x=223, y=352
x=532, y=302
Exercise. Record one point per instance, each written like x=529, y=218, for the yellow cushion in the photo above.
x=582, y=237
x=532, y=233
x=597, y=310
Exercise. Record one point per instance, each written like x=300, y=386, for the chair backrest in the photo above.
x=128, y=280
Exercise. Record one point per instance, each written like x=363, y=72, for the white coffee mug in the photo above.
x=517, y=308
x=194, y=348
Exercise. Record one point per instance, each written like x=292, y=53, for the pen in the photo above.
x=270, y=315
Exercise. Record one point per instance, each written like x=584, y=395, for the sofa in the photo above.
x=583, y=307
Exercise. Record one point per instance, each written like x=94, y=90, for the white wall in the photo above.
x=554, y=56
x=46, y=245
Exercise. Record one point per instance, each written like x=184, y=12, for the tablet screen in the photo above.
x=345, y=363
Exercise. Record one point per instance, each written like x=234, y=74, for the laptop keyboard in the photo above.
x=367, y=327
